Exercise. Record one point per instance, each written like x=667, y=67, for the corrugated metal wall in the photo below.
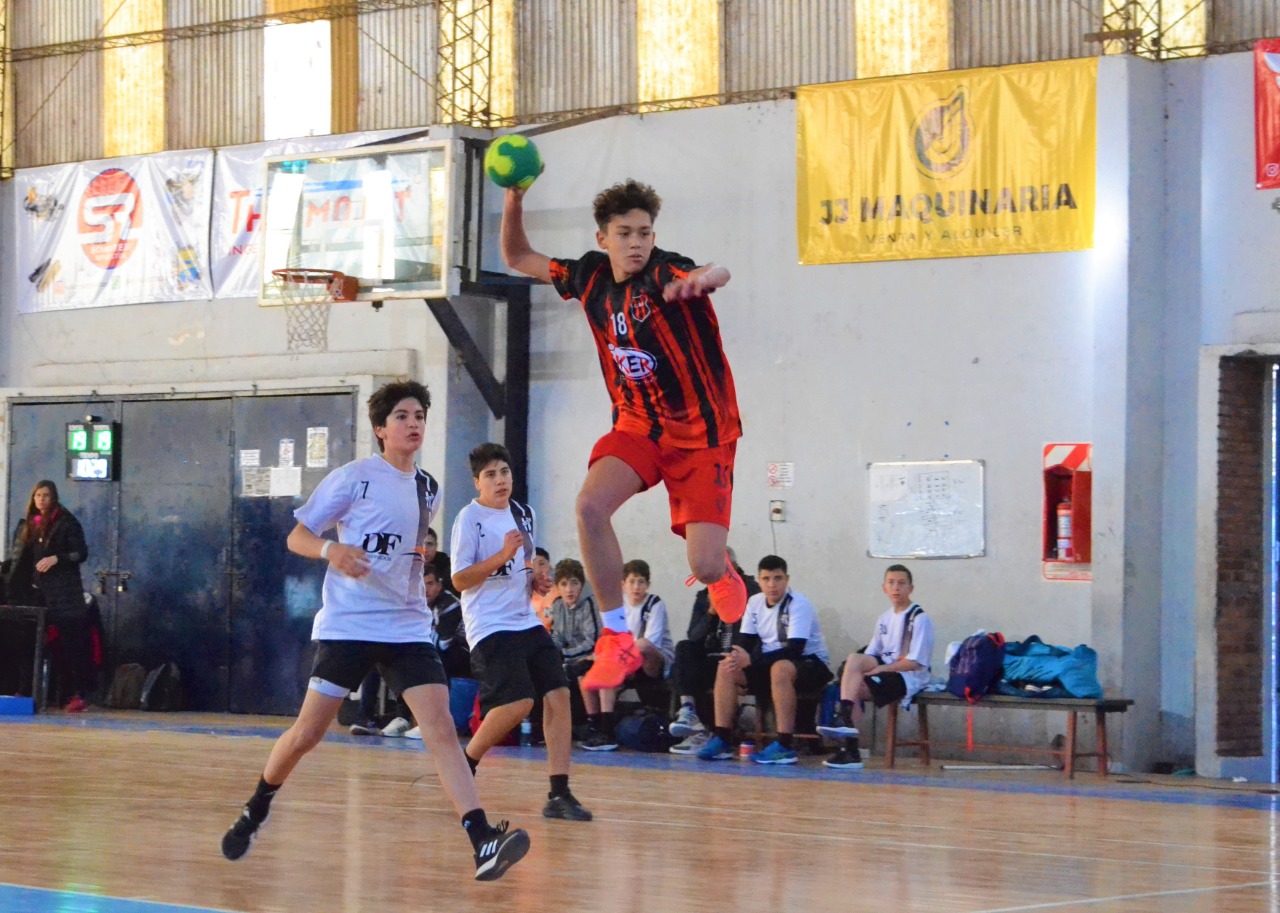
x=988, y=33
x=397, y=68
x=571, y=55
x=575, y=54
x=773, y=43
x=57, y=100
x=1234, y=21
x=214, y=84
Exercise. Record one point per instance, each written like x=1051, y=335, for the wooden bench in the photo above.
x=1067, y=754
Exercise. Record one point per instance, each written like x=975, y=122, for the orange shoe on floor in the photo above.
x=616, y=658
x=728, y=594
x=76, y=705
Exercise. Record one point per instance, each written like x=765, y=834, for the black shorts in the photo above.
x=811, y=674
x=343, y=664
x=574, y=669
x=694, y=669
x=886, y=687
x=641, y=679
x=515, y=666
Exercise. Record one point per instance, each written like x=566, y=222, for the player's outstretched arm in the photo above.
x=702, y=280
x=516, y=251
x=347, y=559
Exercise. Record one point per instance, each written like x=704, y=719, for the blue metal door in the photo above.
x=187, y=548
x=175, y=542
x=284, y=446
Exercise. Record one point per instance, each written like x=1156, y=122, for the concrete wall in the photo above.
x=1184, y=167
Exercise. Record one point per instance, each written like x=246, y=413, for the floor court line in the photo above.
x=862, y=839
x=19, y=899
x=1120, y=898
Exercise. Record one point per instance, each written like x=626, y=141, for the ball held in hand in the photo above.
x=512, y=161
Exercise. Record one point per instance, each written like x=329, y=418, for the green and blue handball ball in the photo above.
x=512, y=161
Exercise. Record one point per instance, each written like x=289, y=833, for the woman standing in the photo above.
x=48, y=549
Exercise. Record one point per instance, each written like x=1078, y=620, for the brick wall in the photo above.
x=1239, y=616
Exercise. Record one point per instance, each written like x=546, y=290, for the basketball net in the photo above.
x=307, y=295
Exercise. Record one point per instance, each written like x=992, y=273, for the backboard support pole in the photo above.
x=507, y=399
x=472, y=358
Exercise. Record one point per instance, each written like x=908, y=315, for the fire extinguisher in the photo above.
x=1065, y=551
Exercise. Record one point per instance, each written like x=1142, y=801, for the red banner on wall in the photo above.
x=1266, y=105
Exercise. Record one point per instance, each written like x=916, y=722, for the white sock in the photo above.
x=615, y=620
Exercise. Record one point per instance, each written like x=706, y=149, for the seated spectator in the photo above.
x=693, y=674
x=575, y=622
x=778, y=653
x=455, y=653
x=541, y=602
x=894, y=666
x=433, y=557
x=647, y=622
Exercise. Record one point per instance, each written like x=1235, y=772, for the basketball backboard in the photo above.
x=379, y=213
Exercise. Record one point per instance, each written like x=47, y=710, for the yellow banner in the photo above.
x=958, y=164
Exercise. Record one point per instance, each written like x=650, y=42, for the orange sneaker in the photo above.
x=728, y=594
x=616, y=658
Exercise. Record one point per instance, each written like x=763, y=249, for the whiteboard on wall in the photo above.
x=926, y=510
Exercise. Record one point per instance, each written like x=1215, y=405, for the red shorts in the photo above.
x=699, y=482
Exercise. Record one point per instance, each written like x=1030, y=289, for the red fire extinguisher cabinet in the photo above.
x=1068, y=482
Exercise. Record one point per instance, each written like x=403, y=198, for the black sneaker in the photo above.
x=499, y=851
x=237, y=840
x=566, y=807
x=598, y=741
x=838, y=728
x=845, y=760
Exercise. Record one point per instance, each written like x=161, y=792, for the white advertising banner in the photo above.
x=237, y=206
x=122, y=231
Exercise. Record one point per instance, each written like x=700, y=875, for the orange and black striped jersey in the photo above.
x=662, y=361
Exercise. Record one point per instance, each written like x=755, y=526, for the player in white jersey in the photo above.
x=779, y=652
x=512, y=654
x=894, y=666
x=374, y=611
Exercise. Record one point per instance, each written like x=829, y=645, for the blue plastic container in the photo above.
x=17, y=706
x=462, y=699
x=827, y=709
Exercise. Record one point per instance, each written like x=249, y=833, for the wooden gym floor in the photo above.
x=123, y=813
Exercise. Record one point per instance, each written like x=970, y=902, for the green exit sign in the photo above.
x=91, y=451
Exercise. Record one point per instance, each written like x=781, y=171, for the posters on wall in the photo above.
x=1266, y=105
x=171, y=226
x=122, y=231
x=955, y=164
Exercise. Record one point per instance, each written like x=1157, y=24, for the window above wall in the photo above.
x=297, y=80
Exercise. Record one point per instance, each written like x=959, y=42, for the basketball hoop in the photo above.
x=307, y=295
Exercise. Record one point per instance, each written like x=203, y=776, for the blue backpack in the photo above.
x=977, y=666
